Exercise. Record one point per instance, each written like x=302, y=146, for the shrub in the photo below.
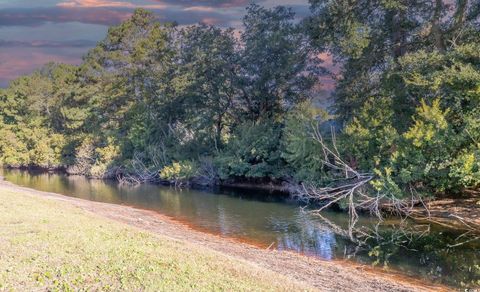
x=253, y=152
x=370, y=138
x=13, y=151
x=47, y=150
x=300, y=150
x=466, y=169
x=426, y=152
x=93, y=160
x=30, y=146
x=179, y=171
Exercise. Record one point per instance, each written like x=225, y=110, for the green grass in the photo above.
x=51, y=245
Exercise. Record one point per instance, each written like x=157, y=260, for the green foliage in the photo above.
x=13, y=150
x=409, y=96
x=428, y=143
x=452, y=76
x=209, y=59
x=424, y=156
x=47, y=149
x=278, y=66
x=253, y=152
x=369, y=37
x=442, y=137
x=178, y=171
x=105, y=157
x=187, y=92
x=466, y=168
x=370, y=137
x=302, y=153
x=96, y=158
x=37, y=146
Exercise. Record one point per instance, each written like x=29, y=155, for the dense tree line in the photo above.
x=159, y=94
x=157, y=100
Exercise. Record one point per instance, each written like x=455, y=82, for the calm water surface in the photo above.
x=273, y=220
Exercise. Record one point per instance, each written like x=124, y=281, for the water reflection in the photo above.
x=271, y=220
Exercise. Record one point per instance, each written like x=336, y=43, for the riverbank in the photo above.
x=460, y=213
x=52, y=241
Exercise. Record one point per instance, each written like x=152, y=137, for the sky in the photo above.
x=35, y=32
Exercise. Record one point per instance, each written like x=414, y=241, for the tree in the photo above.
x=125, y=77
x=367, y=37
x=37, y=114
x=278, y=67
x=209, y=60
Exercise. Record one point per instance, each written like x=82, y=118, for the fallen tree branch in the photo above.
x=139, y=172
x=352, y=187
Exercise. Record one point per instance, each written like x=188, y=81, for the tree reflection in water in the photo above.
x=309, y=236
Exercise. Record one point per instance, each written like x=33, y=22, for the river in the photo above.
x=270, y=219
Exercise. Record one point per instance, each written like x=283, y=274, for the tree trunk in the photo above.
x=436, y=32
x=459, y=16
x=399, y=34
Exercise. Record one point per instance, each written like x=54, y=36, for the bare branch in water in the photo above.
x=351, y=186
x=139, y=173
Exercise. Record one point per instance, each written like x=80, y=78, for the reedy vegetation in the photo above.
x=209, y=102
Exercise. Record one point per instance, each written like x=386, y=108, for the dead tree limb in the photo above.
x=350, y=186
x=139, y=171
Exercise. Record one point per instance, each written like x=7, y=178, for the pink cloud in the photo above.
x=106, y=3
x=200, y=9
x=210, y=21
x=208, y=3
x=94, y=3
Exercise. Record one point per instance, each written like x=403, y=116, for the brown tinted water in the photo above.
x=271, y=219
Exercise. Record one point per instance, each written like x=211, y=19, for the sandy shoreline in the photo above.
x=323, y=275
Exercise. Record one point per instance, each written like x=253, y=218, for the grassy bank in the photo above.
x=50, y=245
